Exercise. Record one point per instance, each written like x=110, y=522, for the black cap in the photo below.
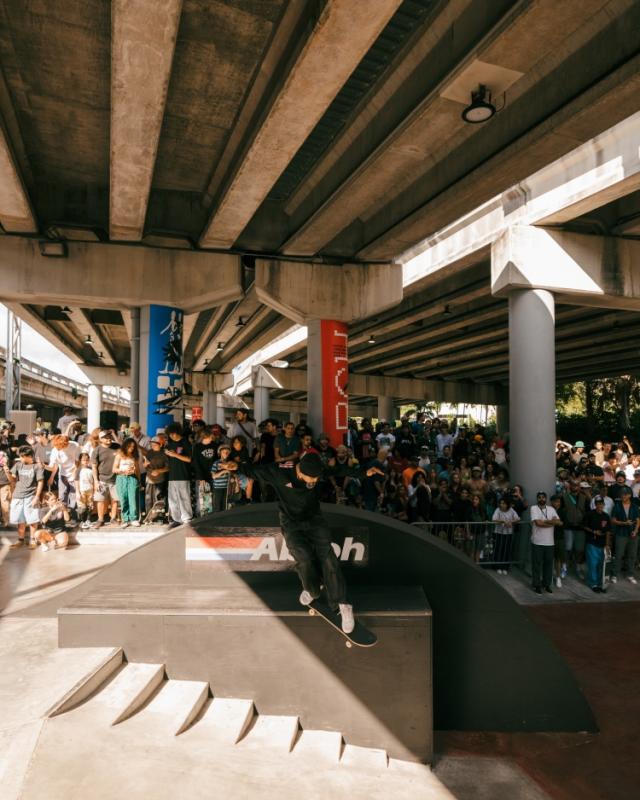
x=311, y=465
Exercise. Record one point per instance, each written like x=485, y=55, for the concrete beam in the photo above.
x=107, y=376
x=98, y=275
x=16, y=215
x=36, y=322
x=572, y=265
x=302, y=291
x=601, y=170
x=342, y=35
x=143, y=38
x=295, y=380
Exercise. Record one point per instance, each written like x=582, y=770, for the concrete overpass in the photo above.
x=263, y=165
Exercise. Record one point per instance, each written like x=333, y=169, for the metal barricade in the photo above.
x=486, y=543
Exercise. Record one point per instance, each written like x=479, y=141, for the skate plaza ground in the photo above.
x=258, y=753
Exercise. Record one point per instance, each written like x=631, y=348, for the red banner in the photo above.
x=335, y=380
x=196, y=413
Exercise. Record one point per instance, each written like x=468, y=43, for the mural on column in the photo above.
x=166, y=372
x=335, y=380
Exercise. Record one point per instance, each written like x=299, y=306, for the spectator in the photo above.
x=385, y=439
x=156, y=464
x=27, y=485
x=558, y=540
x=63, y=460
x=42, y=447
x=221, y=478
x=5, y=485
x=126, y=468
x=505, y=518
x=68, y=416
x=91, y=442
x=104, y=480
x=597, y=526
x=84, y=489
x=204, y=454
x=240, y=454
x=419, y=497
x=178, y=451
x=52, y=529
x=287, y=447
x=543, y=520
x=444, y=439
x=574, y=508
x=625, y=520
x=344, y=476
x=265, y=452
x=244, y=426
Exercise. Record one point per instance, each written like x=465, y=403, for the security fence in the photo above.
x=491, y=544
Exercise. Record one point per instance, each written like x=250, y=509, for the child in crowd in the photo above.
x=505, y=517
x=156, y=464
x=52, y=532
x=84, y=489
x=220, y=478
x=126, y=468
x=27, y=484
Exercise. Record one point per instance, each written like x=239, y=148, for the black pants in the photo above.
x=309, y=543
x=541, y=565
x=219, y=499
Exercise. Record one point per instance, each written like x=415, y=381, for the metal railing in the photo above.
x=486, y=543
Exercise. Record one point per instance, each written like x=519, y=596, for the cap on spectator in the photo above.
x=476, y=469
x=40, y=431
x=598, y=499
x=217, y=428
x=425, y=447
x=585, y=485
x=224, y=447
x=156, y=440
x=621, y=474
x=579, y=444
x=135, y=426
x=105, y=435
x=311, y=465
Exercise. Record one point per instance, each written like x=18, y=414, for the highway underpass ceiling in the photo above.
x=387, y=163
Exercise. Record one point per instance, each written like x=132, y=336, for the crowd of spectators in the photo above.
x=452, y=478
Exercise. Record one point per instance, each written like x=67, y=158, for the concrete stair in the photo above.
x=140, y=696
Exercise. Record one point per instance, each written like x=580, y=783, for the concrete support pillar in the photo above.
x=220, y=410
x=502, y=418
x=94, y=406
x=261, y=403
x=294, y=417
x=209, y=407
x=161, y=369
x=532, y=388
x=327, y=378
x=386, y=409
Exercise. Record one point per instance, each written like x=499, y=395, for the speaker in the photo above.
x=109, y=420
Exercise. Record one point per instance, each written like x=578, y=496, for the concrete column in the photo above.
x=161, y=370
x=386, y=409
x=532, y=387
x=209, y=406
x=220, y=410
x=327, y=379
x=502, y=418
x=135, y=365
x=261, y=402
x=294, y=417
x=94, y=406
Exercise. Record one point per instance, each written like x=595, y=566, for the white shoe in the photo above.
x=306, y=598
x=346, y=612
x=559, y=583
x=124, y=525
x=614, y=579
x=136, y=523
x=631, y=579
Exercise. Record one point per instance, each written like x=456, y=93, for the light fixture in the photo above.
x=371, y=339
x=88, y=339
x=220, y=347
x=240, y=323
x=280, y=364
x=66, y=309
x=481, y=108
x=447, y=311
x=206, y=363
x=101, y=354
x=52, y=249
x=122, y=372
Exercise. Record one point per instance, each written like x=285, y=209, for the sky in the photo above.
x=41, y=351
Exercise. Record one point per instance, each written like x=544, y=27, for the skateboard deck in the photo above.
x=606, y=561
x=359, y=636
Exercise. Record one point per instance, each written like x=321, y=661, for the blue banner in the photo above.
x=166, y=372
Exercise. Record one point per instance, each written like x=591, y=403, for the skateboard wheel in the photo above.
x=312, y=612
x=349, y=644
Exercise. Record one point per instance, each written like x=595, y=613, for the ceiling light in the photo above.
x=280, y=364
x=447, y=311
x=481, y=108
x=52, y=249
x=371, y=339
x=240, y=323
x=206, y=362
x=101, y=354
x=66, y=309
x=88, y=339
x=220, y=347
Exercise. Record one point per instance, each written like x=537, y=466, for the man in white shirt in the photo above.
x=243, y=426
x=543, y=520
x=444, y=438
x=66, y=419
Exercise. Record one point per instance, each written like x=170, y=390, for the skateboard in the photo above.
x=359, y=636
x=605, y=562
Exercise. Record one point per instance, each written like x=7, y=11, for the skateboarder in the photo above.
x=305, y=530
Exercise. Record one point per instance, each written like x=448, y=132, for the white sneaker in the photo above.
x=124, y=525
x=614, y=579
x=136, y=523
x=559, y=583
x=631, y=579
x=346, y=612
x=306, y=598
